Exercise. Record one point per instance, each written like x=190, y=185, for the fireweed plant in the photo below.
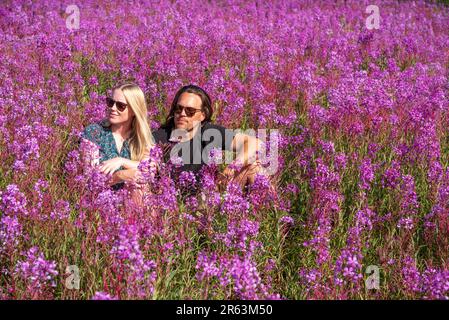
x=363, y=142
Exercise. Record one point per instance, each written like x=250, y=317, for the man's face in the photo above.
x=182, y=119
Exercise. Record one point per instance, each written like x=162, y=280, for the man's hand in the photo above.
x=109, y=166
x=229, y=173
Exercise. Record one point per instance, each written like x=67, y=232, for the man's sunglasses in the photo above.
x=190, y=112
x=120, y=105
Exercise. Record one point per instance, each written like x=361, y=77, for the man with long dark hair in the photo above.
x=191, y=135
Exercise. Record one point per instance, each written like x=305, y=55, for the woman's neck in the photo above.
x=123, y=130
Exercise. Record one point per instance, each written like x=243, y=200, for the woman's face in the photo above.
x=116, y=116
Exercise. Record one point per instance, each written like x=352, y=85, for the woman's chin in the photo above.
x=113, y=120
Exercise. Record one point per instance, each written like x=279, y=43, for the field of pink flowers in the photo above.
x=363, y=174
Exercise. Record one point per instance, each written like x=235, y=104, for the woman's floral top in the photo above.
x=101, y=136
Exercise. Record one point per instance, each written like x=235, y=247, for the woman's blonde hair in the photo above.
x=141, y=138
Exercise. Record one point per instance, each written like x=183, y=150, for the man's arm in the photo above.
x=246, y=148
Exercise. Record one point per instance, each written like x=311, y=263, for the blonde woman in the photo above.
x=122, y=140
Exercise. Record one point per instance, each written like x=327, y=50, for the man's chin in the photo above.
x=181, y=125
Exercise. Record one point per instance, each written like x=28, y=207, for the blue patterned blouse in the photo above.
x=101, y=135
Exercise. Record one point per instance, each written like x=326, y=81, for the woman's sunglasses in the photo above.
x=120, y=105
x=189, y=111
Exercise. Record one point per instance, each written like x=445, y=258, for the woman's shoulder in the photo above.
x=98, y=125
x=94, y=131
x=92, y=126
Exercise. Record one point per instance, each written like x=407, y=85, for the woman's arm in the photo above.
x=133, y=164
x=130, y=164
x=131, y=171
x=125, y=175
x=91, y=157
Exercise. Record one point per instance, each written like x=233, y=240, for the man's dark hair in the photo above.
x=206, y=104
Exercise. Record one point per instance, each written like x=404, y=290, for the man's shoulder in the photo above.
x=225, y=135
x=161, y=135
x=210, y=125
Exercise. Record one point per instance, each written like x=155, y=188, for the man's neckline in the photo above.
x=173, y=139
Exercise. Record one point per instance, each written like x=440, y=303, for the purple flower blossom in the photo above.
x=327, y=146
x=432, y=283
x=261, y=192
x=61, y=210
x=286, y=220
x=392, y=175
x=435, y=284
x=234, y=203
x=240, y=234
x=140, y=271
x=206, y=266
x=187, y=179
x=191, y=203
x=409, y=203
x=366, y=174
x=62, y=121
x=311, y=279
x=13, y=202
x=10, y=233
x=411, y=275
x=38, y=273
x=340, y=161
x=99, y=295
x=320, y=241
x=350, y=106
x=406, y=223
x=348, y=267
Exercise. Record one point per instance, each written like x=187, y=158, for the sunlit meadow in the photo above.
x=362, y=203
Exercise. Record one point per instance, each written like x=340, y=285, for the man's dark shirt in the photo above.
x=197, y=144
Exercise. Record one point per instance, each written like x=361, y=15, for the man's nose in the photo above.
x=183, y=112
